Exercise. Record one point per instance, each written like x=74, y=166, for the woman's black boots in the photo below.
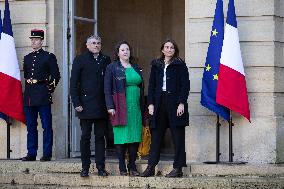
x=149, y=171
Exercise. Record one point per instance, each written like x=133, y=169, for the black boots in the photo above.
x=149, y=171
x=123, y=173
x=102, y=172
x=45, y=158
x=176, y=172
x=33, y=158
x=29, y=158
x=84, y=172
x=134, y=173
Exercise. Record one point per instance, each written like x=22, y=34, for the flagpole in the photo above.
x=218, y=124
x=8, y=137
x=218, y=139
x=231, y=154
x=69, y=129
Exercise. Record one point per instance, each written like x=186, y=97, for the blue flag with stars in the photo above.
x=211, y=69
x=0, y=25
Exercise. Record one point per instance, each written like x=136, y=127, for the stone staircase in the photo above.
x=63, y=174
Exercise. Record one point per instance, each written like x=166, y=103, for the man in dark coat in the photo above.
x=41, y=74
x=87, y=93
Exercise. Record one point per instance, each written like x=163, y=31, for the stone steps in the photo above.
x=75, y=181
x=65, y=174
x=74, y=166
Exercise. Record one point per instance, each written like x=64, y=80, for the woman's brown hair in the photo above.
x=116, y=51
x=176, y=54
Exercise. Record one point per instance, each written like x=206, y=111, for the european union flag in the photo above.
x=0, y=25
x=211, y=69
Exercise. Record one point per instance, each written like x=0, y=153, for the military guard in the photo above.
x=87, y=93
x=41, y=75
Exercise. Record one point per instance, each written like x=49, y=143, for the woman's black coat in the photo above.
x=178, y=86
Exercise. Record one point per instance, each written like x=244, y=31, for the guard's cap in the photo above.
x=35, y=33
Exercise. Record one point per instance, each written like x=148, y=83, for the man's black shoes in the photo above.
x=29, y=158
x=45, y=158
x=134, y=173
x=176, y=172
x=102, y=172
x=84, y=173
x=123, y=173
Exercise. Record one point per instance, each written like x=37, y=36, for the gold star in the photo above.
x=208, y=68
x=215, y=77
x=214, y=32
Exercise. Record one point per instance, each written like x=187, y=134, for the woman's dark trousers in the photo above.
x=158, y=133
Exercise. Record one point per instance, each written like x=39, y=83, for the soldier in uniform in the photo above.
x=87, y=93
x=41, y=75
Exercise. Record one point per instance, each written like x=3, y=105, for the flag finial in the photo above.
x=7, y=24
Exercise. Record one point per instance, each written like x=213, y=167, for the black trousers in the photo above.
x=132, y=152
x=100, y=127
x=158, y=133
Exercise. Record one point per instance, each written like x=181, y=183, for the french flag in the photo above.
x=11, y=97
x=231, y=88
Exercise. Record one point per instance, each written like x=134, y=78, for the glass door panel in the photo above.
x=83, y=29
x=85, y=8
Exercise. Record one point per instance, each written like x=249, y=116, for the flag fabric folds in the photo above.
x=231, y=89
x=11, y=97
x=211, y=69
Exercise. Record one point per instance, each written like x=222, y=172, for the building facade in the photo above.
x=145, y=24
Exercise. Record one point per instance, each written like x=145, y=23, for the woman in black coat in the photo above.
x=167, y=104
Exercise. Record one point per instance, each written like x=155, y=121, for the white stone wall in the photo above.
x=260, y=25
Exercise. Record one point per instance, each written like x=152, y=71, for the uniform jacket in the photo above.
x=114, y=88
x=41, y=66
x=86, y=85
x=177, y=88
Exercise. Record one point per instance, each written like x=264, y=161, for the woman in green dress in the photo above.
x=124, y=94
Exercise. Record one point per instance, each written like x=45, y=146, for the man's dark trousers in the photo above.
x=100, y=126
x=31, y=113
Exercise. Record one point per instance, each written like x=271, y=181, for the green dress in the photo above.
x=133, y=130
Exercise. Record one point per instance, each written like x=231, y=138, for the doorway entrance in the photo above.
x=144, y=24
